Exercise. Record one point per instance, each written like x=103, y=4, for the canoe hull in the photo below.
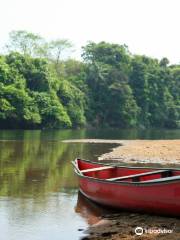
x=159, y=199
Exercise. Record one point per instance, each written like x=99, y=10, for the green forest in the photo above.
x=42, y=87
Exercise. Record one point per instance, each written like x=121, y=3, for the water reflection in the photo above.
x=29, y=168
x=103, y=133
x=38, y=188
x=33, y=168
x=90, y=211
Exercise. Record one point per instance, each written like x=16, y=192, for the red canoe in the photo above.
x=140, y=189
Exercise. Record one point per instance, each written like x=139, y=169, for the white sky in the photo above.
x=150, y=27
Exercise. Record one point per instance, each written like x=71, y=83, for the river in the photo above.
x=38, y=189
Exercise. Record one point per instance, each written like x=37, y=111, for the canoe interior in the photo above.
x=123, y=171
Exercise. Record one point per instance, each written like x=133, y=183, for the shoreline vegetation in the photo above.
x=42, y=87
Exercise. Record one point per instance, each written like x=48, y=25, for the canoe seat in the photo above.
x=166, y=179
x=135, y=177
x=96, y=169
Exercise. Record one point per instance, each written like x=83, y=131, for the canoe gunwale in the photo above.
x=124, y=166
x=161, y=181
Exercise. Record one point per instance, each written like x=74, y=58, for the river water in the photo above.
x=39, y=197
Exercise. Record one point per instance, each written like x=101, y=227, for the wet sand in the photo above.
x=122, y=226
x=116, y=226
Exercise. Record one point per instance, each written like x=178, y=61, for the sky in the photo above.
x=149, y=27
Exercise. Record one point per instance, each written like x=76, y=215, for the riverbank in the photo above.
x=122, y=225
x=146, y=151
x=139, y=151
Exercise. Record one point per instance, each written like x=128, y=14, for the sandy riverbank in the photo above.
x=147, y=151
x=117, y=226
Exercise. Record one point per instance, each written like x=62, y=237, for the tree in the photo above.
x=164, y=62
x=52, y=111
x=112, y=54
x=73, y=100
x=140, y=87
x=57, y=49
x=36, y=71
x=111, y=98
x=26, y=43
x=75, y=73
x=18, y=108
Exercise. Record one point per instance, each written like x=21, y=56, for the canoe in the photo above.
x=139, y=189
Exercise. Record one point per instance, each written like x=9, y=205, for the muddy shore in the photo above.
x=122, y=225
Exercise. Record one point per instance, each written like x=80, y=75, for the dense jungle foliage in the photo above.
x=42, y=87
